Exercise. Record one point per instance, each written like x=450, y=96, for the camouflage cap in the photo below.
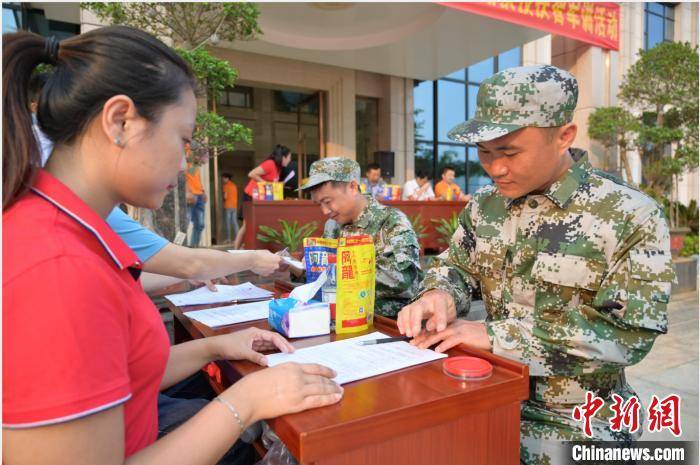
x=540, y=96
x=332, y=169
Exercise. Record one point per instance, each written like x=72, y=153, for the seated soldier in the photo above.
x=334, y=185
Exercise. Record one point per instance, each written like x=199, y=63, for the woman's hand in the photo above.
x=209, y=283
x=283, y=389
x=247, y=345
x=264, y=262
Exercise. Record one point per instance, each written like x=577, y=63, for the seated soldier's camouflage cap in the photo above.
x=540, y=96
x=332, y=169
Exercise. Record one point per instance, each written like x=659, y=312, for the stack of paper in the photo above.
x=353, y=361
x=224, y=293
x=231, y=314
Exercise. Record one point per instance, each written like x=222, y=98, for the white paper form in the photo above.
x=231, y=314
x=225, y=293
x=292, y=262
x=353, y=361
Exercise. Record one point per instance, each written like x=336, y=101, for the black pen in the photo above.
x=385, y=340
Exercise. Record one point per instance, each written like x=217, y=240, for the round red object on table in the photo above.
x=467, y=368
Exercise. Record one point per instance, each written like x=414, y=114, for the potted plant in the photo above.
x=446, y=227
x=290, y=236
x=419, y=228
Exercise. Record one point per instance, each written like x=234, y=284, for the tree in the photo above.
x=190, y=27
x=613, y=127
x=658, y=116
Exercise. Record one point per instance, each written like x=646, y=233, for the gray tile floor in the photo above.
x=672, y=367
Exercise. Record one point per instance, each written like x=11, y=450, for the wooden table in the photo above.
x=415, y=416
x=269, y=212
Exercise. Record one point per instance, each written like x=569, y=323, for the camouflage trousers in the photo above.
x=546, y=426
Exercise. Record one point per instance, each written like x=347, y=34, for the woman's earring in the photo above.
x=117, y=142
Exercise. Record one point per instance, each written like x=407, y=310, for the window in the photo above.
x=658, y=23
x=441, y=105
x=21, y=16
x=423, y=110
x=452, y=106
x=239, y=96
x=11, y=18
x=291, y=102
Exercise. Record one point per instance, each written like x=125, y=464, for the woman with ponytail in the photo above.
x=84, y=350
x=269, y=171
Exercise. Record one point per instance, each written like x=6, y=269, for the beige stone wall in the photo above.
x=686, y=30
x=339, y=84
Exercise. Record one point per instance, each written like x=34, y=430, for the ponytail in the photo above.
x=278, y=153
x=89, y=69
x=21, y=159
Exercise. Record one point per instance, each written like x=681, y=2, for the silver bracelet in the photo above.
x=233, y=410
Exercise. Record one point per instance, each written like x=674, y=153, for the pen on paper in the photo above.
x=385, y=340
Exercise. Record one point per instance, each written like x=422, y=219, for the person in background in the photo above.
x=269, y=171
x=196, y=202
x=373, y=183
x=122, y=141
x=419, y=188
x=334, y=185
x=447, y=189
x=230, y=205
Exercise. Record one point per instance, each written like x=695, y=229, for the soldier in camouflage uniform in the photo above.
x=334, y=184
x=573, y=265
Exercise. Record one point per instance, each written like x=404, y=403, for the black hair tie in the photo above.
x=51, y=49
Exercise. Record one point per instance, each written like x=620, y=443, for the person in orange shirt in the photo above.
x=196, y=201
x=230, y=205
x=447, y=189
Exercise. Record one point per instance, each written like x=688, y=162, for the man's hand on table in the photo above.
x=436, y=306
x=470, y=333
x=247, y=345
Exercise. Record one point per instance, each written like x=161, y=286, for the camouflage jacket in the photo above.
x=575, y=281
x=396, y=252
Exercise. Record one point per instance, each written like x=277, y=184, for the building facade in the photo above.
x=353, y=79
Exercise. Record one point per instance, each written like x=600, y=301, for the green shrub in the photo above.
x=446, y=227
x=690, y=245
x=418, y=226
x=291, y=235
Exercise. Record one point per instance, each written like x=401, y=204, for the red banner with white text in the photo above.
x=593, y=23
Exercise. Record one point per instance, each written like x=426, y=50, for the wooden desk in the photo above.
x=268, y=213
x=415, y=416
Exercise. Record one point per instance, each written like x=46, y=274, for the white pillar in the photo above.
x=341, y=117
x=538, y=52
